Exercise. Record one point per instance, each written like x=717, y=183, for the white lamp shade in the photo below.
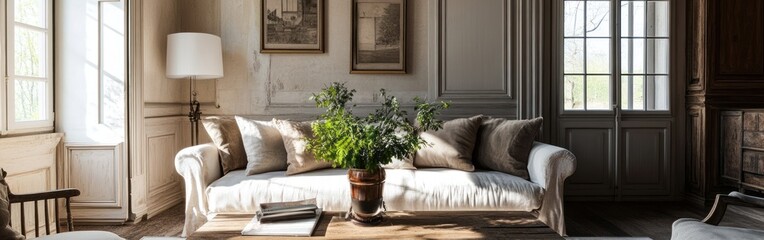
x=197, y=55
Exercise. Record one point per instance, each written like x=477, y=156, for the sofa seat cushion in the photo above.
x=690, y=229
x=405, y=190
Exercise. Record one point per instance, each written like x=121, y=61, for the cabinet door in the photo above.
x=644, y=167
x=592, y=145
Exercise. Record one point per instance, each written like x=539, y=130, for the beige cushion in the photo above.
x=503, y=145
x=401, y=163
x=263, y=145
x=450, y=147
x=405, y=163
x=225, y=134
x=299, y=159
x=6, y=232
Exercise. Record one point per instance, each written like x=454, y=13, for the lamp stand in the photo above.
x=194, y=115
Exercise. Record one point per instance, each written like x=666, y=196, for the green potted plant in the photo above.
x=364, y=144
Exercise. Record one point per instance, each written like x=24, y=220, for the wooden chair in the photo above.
x=736, y=199
x=54, y=195
x=708, y=228
x=45, y=198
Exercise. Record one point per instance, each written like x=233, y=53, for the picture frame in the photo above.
x=378, y=37
x=292, y=26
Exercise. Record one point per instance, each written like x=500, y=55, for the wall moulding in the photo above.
x=480, y=72
x=103, y=165
x=30, y=162
x=463, y=64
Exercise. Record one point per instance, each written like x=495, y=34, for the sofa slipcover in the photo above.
x=432, y=189
x=208, y=192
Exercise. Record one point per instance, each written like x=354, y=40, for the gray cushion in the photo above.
x=263, y=145
x=450, y=147
x=692, y=229
x=504, y=145
x=225, y=134
x=299, y=159
x=405, y=163
x=6, y=232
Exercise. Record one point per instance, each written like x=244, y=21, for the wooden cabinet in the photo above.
x=726, y=44
x=742, y=155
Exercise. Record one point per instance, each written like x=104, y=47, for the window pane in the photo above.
x=30, y=12
x=574, y=56
x=597, y=92
x=657, y=56
x=633, y=18
x=658, y=89
x=29, y=49
x=657, y=19
x=633, y=55
x=632, y=92
x=574, y=92
x=597, y=18
x=30, y=100
x=597, y=56
x=574, y=18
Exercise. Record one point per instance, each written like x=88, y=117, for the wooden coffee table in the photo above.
x=400, y=225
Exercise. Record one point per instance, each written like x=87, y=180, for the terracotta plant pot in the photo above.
x=366, y=195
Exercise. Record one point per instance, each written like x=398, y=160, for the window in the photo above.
x=28, y=57
x=639, y=67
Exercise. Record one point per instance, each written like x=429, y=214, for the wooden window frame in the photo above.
x=616, y=74
x=8, y=123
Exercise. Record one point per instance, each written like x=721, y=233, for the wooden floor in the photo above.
x=167, y=224
x=652, y=220
x=584, y=219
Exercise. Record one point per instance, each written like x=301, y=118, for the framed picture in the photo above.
x=292, y=26
x=379, y=36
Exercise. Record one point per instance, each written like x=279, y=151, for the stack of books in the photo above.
x=274, y=212
x=284, y=219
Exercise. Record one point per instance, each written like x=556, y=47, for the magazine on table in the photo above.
x=297, y=218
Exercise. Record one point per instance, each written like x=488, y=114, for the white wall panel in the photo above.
x=30, y=162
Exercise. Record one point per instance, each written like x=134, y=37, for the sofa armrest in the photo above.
x=199, y=166
x=549, y=166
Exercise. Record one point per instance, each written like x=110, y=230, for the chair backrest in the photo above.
x=45, y=198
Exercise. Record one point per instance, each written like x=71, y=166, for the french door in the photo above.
x=613, y=97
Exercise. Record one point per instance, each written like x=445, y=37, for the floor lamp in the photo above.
x=195, y=56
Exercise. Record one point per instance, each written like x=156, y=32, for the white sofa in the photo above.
x=208, y=192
